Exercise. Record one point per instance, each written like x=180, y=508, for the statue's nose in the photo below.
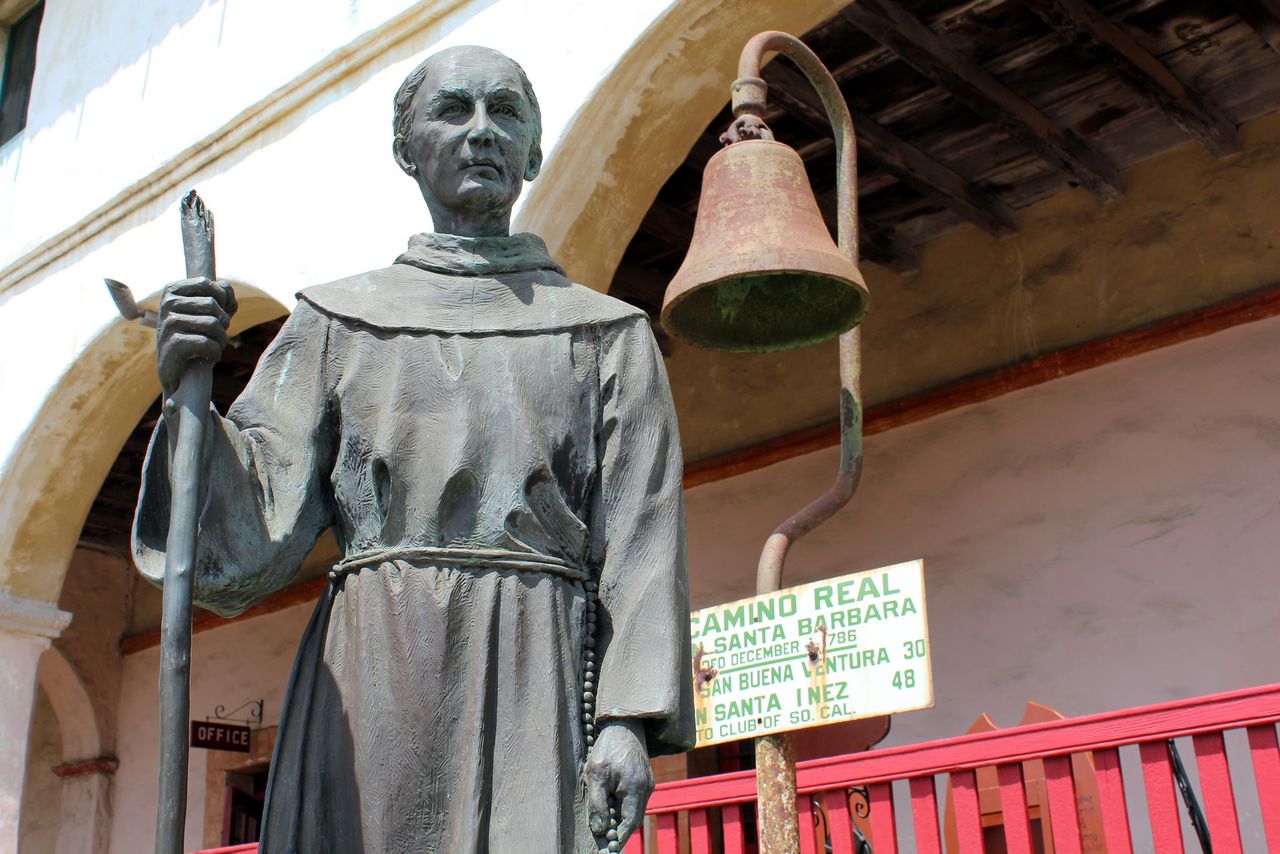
x=481, y=126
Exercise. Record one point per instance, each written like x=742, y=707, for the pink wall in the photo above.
x=249, y=660
x=1101, y=541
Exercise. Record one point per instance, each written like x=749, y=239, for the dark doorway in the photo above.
x=242, y=813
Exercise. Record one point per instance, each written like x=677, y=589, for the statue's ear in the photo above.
x=535, y=163
x=397, y=151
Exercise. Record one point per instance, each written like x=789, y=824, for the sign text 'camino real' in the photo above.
x=834, y=650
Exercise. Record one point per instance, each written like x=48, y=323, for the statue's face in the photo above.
x=472, y=132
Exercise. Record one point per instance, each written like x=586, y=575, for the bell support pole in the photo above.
x=749, y=99
x=775, y=755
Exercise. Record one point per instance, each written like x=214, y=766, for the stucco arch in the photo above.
x=65, y=454
x=77, y=721
x=639, y=123
x=83, y=802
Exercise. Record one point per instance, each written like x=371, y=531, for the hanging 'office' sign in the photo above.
x=215, y=735
x=841, y=649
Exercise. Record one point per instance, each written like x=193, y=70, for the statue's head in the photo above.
x=468, y=130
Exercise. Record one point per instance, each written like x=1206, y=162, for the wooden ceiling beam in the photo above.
x=704, y=147
x=121, y=490
x=1263, y=16
x=880, y=243
x=969, y=83
x=910, y=165
x=668, y=224
x=868, y=182
x=639, y=286
x=958, y=16
x=1097, y=36
x=106, y=523
x=888, y=248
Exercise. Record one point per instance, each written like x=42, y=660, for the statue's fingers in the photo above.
x=194, y=307
x=198, y=286
x=185, y=346
x=229, y=301
x=598, y=799
x=631, y=815
x=201, y=325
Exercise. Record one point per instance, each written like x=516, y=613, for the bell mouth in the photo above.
x=766, y=310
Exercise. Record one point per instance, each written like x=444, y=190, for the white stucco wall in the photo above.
x=119, y=89
x=315, y=197
x=249, y=660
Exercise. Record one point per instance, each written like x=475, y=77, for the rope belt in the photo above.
x=503, y=559
x=463, y=558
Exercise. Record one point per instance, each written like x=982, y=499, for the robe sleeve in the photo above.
x=643, y=635
x=266, y=496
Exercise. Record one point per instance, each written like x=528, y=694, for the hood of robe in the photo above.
x=450, y=284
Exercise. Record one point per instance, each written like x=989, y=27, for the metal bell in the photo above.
x=762, y=272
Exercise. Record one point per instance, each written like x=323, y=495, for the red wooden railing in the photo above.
x=715, y=815
x=825, y=783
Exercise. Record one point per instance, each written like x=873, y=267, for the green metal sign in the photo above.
x=844, y=648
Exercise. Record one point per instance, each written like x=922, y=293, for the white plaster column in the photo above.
x=26, y=628
x=84, y=825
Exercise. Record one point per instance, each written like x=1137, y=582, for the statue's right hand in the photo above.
x=194, y=315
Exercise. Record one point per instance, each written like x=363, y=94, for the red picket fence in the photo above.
x=714, y=806
x=824, y=784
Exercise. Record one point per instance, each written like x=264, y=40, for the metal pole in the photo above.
x=775, y=756
x=186, y=414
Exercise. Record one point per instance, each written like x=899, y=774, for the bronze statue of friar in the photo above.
x=504, y=643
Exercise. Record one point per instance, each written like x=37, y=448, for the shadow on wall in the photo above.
x=99, y=43
x=77, y=37
x=42, y=793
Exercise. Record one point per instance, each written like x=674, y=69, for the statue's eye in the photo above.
x=451, y=108
x=505, y=110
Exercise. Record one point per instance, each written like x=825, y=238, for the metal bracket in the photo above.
x=861, y=808
x=220, y=713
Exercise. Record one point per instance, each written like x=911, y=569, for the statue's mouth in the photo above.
x=484, y=167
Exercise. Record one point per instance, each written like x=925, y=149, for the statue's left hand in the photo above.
x=618, y=772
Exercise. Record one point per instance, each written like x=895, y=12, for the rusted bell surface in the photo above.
x=762, y=272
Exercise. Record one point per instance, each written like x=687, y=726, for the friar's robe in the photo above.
x=489, y=442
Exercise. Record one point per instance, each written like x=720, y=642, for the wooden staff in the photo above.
x=186, y=414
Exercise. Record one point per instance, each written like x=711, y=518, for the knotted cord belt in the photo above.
x=467, y=558
x=464, y=558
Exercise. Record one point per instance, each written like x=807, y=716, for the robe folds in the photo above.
x=496, y=451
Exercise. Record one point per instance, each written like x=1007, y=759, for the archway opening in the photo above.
x=68, y=451
x=107, y=526
x=946, y=168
